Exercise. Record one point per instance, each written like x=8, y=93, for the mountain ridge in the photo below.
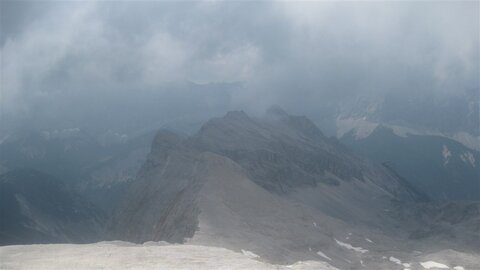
x=245, y=182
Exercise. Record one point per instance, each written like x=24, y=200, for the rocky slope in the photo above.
x=275, y=186
x=122, y=255
x=440, y=167
x=273, y=190
x=38, y=208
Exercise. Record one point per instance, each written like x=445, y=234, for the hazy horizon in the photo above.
x=94, y=64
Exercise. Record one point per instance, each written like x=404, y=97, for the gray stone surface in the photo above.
x=278, y=188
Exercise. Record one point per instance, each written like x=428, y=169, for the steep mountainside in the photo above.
x=98, y=168
x=37, y=208
x=275, y=186
x=440, y=167
x=429, y=110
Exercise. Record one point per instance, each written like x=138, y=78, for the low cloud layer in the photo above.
x=64, y=57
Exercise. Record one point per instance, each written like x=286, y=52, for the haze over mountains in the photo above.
x=273, y=188
x=37, y=208
x=145, y=131
x=427, y=139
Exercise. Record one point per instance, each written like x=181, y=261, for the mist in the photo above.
x=132, y=65
x=326, y=135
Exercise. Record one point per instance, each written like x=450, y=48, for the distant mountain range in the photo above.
x=271, y=187
x=423, y=111
x=440, y=167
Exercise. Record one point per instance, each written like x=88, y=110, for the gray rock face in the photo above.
x=160, y=204
x=438, y=166
x=457, y=222
x=273, y=189
x=276, y=186
x=280, y=152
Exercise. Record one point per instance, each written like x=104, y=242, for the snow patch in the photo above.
x=250, y=254
x=395, y=260
x=403, y=131
x=350, y=247
x=368, y=240
x=468, y=157
x=446, y=155
x=468, y=140
x=323, y=255
x=432, y=264
x=362, y=128
x=459, y=268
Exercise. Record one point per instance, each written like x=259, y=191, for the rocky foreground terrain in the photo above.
x=123, y=255
x=161, y=255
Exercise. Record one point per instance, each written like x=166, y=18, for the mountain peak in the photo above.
x=236, y=115
x=275, y=111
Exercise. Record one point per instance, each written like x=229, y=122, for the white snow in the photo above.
x=399, y=262
x=468, y=157
x=350, y=247
x=403, y=131
x=250, y=254
x=368, y=240
x=315, y=224
x=395, y=260
x=362, y=128
x=432, y=264
x=468, y=140
x=324, y=256
x=459, y=268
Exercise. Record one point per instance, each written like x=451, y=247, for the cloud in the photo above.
x=297, y=54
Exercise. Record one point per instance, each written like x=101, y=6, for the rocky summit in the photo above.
x=276, y=187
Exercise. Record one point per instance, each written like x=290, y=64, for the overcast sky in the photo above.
x=59, y=58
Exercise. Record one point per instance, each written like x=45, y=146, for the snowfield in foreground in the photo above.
x=123, y=255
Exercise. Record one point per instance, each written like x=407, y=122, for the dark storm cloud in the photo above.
x=66, y=55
